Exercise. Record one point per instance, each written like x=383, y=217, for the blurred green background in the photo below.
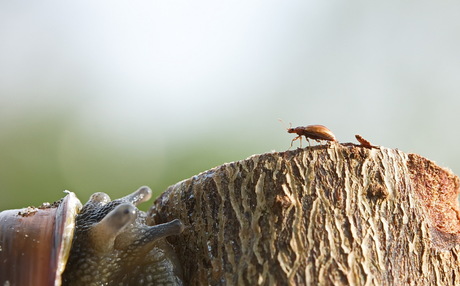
x=112, y=95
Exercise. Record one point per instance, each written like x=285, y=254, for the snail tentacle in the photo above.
x=143, y=194
x=159, y=231
x=104, y=233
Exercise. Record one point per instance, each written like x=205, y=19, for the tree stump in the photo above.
x=338, y=214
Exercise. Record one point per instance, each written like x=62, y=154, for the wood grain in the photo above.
x=324, y=215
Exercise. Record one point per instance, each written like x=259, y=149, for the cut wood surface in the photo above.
x=337, y=214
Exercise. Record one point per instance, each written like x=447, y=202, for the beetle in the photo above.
x=364, y=142
x=315, y=132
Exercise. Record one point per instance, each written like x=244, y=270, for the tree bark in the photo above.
x=325, y=215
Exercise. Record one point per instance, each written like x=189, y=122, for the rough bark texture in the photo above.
x=325, y=215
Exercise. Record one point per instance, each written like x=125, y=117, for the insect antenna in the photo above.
x=282, y=122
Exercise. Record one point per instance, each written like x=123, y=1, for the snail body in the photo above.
x=113, y=244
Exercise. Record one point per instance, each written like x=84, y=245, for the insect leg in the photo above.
x=292, y=142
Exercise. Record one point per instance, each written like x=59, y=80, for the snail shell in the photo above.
x=35, y=242
x=112, y=245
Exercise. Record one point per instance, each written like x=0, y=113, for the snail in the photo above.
x=103, y=242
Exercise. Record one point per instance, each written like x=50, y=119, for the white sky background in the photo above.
x=151, y=73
